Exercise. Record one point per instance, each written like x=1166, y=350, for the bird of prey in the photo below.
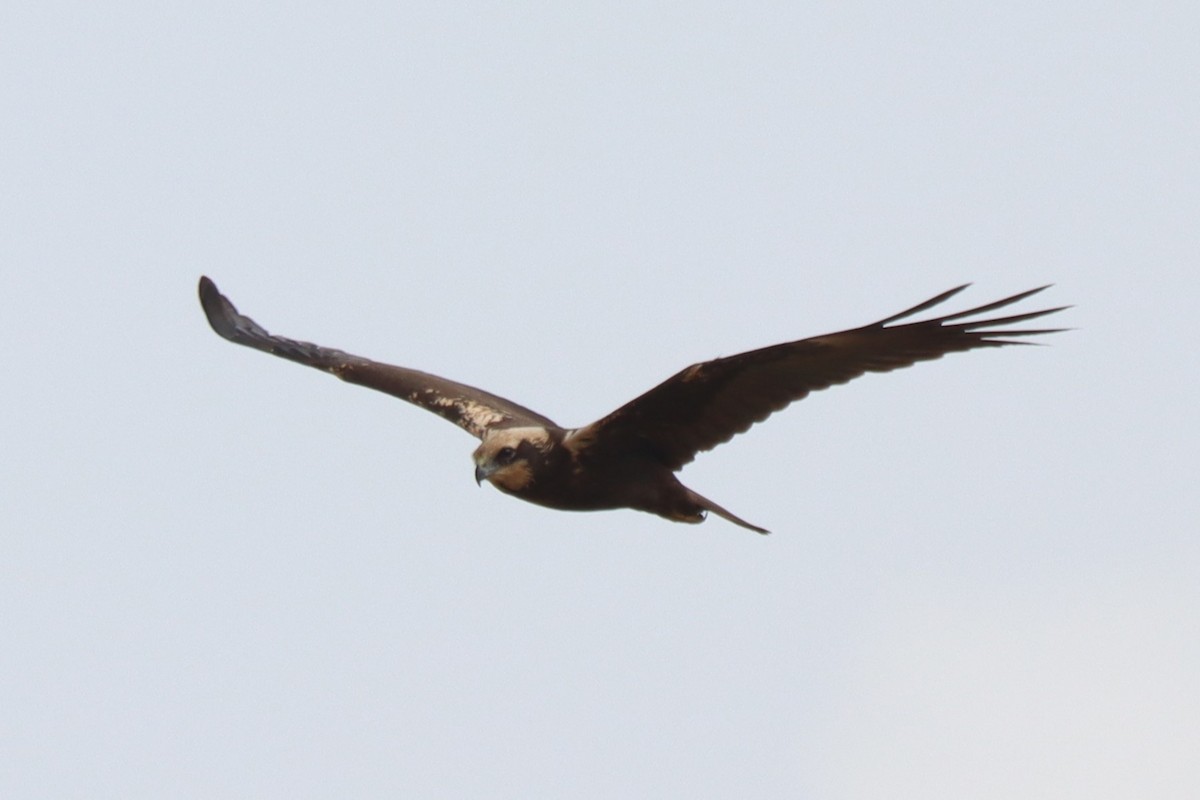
x=629, y=458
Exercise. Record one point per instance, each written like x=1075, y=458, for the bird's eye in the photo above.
x=505, y=455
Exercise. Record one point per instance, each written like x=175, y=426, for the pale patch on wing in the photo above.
x=477, y=416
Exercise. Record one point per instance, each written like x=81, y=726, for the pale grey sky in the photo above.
x=223, y=575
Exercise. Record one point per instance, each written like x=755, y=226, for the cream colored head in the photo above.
x=503, y=458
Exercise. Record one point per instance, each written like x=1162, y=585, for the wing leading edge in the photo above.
x=473, y=410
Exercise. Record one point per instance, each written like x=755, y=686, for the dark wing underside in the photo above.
x=709, y=403
x=473, y=410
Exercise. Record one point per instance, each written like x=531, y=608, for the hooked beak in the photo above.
x=481, y=474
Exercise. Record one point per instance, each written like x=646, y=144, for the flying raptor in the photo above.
x=629, y=458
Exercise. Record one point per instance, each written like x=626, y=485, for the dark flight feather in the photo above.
x=473, y=410
x=709, y=403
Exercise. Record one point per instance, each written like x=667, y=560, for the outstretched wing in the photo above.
x=709, y=403
x=473, y=410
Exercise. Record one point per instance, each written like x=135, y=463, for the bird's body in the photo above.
x=629, y=458
x=547, y=467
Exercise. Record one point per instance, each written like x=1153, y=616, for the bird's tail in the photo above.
x=709, y=505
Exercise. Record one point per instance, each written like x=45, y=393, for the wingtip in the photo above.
x=919, y=307
x=217, y=308
x=207, y=290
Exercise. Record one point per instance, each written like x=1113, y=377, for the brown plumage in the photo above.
x=628, y=458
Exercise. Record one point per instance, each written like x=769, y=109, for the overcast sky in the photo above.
x=224, y=575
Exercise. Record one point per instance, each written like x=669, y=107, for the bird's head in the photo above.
x=508, y=458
